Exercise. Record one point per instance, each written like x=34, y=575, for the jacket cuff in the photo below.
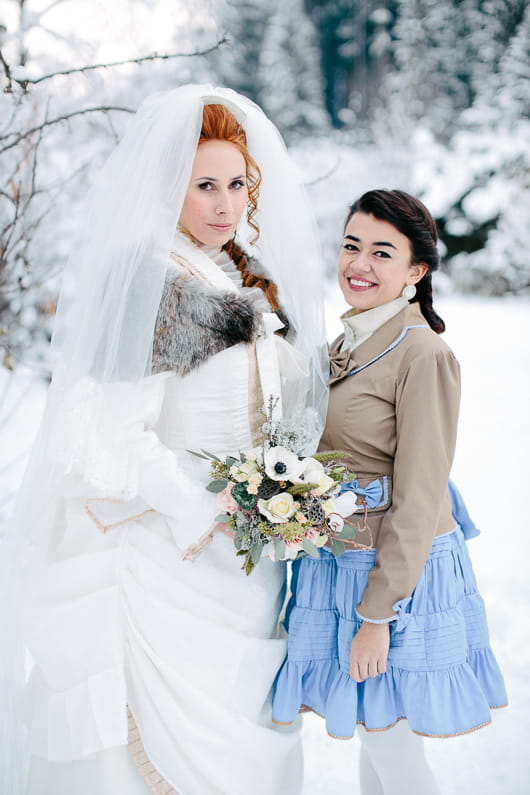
x=376, y=620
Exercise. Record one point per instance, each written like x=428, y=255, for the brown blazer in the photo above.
x=398, y=417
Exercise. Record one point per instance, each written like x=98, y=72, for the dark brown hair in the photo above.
x=220, y=124
x=410, y=217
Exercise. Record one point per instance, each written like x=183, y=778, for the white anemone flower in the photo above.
x=311, y=471
x=282, y=464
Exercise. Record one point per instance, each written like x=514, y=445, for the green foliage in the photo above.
x=310, y=548
x=337, y=547
x=242, y=497
x=280, y=548
x=332, y=455
x=217, y=486
x=300, y=489
x=219, y=469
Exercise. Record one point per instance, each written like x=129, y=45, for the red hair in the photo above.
x=220, y=124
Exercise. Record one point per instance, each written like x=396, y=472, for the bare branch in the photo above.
x=52, y=5
x=154, y=57
x=9, y=85
x=327, y=175
x=65, y=117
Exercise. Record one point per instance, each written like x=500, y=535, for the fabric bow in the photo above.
x=373, y=493
x=340, y=364
x=404, y=617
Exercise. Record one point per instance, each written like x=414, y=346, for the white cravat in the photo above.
x=359, y=326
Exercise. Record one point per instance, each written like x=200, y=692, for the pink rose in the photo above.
x=312, y=534
x=292, y=548
x=226, y=501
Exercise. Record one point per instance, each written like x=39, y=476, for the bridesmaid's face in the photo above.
x=375, y=262
x=217, y=194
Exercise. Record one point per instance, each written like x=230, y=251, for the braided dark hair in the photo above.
x=410, y=217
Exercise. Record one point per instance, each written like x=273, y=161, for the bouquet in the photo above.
x=279, y=504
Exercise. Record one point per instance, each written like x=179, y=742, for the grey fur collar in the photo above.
x=196, y=320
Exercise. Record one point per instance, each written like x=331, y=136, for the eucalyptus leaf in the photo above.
x=279, y=549
x=249, y=565
x=211, y=455
x=337, y=547
x=199, y=455
x=217, y=486
x=230, y=461
x=348, y=532
x=222, y=517
x=310, y=548
x=255, y=555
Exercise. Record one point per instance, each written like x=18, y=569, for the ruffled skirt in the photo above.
x=441, y=673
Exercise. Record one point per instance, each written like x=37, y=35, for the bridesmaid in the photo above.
x=392, y=634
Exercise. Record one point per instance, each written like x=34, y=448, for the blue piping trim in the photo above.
x=391, y=347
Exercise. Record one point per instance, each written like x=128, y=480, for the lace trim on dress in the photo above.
x=151, y=776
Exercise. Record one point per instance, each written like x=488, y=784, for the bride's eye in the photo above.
x=237, y=184
x=206, y=185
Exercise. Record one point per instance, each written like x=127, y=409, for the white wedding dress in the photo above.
x=121, y=620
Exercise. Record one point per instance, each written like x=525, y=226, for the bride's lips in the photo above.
x=221, y=227
x=359, y=285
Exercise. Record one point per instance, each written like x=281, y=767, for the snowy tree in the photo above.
x=447, y=53
x=479, y=185
x=272, y=57
x=61, y=113
x=355, y=52
x=291, y=90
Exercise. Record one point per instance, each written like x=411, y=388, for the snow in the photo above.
x=492, y=469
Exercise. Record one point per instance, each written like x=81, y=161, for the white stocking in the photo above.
x=393, y=763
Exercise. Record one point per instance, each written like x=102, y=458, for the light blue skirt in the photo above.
x=441, y=673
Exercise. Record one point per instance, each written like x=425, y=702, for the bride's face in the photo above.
x=217, y=194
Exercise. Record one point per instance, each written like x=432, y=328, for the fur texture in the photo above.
x=195, y=321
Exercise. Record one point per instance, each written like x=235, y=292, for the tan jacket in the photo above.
x=398, y=418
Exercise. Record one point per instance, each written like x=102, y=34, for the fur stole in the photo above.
x=195, y=321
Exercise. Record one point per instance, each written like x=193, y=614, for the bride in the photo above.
x=123, y=598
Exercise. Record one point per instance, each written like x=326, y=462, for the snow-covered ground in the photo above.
x=490, y=337
x=492, y=468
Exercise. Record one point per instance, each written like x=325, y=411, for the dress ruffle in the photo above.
x=441, y=674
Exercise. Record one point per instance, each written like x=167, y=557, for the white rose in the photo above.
x=242, y=472
x=279, y=508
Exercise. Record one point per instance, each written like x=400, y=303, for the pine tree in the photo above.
x=291, y=90
x=273, y=58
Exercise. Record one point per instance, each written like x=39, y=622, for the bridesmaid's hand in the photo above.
x=369, y=651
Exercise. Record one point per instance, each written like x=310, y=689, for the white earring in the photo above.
x=409, y=291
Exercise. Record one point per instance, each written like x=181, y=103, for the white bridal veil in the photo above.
x=105, y=322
